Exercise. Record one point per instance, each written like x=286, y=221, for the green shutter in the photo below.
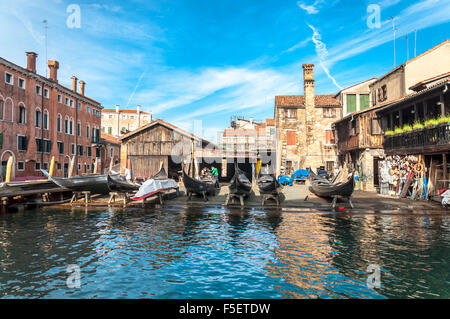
x=363, y=101
x=351, y=103
x=1, y=140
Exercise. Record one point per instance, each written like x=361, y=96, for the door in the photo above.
x=376, y=172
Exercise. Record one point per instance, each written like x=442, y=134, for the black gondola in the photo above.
x=118, y=183
x=324, y=188
x=240, y=184
x=268, y=184
x=96, y=183
x=161, y=174
x=195, y=186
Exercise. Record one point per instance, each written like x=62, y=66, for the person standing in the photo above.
x=128, y=174
x=215, y=175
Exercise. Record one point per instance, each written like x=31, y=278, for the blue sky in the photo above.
x=209, y=60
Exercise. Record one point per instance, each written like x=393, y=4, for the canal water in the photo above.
x=216, y=253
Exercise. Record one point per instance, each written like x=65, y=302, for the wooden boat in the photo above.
x=161, y=174
x=10, y=189
x=324, y=188
x=195, y=186
x=240, y=184
x=268, y=184
x=118, y=183
x=96, y=183
x=154, y=186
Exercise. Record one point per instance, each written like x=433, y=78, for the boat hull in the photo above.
x=240, y=184
x=198, y=187
x=267, y=184
x=323, y=188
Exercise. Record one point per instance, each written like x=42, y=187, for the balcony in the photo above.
x=430, y=139
x=349, y=143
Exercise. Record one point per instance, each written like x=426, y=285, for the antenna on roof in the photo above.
x=46, y=58
x=393, y=29
x=407, y=46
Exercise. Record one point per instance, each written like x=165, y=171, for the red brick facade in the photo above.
x=32, y=108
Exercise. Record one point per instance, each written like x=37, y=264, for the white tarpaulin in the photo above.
x=153, y=186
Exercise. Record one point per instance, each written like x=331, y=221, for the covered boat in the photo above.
x=196, y=186
x=240, y=184
x=154, y=186
x=96, y=183
x=324, y=188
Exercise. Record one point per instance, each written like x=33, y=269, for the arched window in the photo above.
x=45, y=120
x=66, y=125
x=2, y=108
x=37, y=117
x=22, y=114
x=8, y=110
x=59, y=123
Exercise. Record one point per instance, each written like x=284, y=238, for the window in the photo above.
x=58, y=166
x=351, y=103
x=22, y=115
x=97, y=152
x=363, y=101
x=329, y=137
x=21, y=143
x=43, y=146
x=291, y=138
x=20, y=166
x=78, y=106
x=46, y=93
x=37, y=166
x=71, y=127
x=290, y=113
x=374, y=97
x=384, y=92
x=38, y=90
x=78, y=129
x=66, y=101
x=329, y=166
x=109, y=130
x=111, y=152
x=60, y=148
x=80, y=150
x=103, y=129
x=124, y=117
x=2, y=109
x=45, y=166
x=88, y=109
x=45, y=120
x=66, y=126
x=354, y=127
x=88, y=151
x=376, y=126
x=79, y=166
x=131, y=117
x=37, y=118
x=71, y=103
x=111, y=116
x=87, y=131
x=39, y=145
x=72, y=146
x=9, y=79
x=58, y=123
x=329, y=112
x=22, y=83
x=59, y=98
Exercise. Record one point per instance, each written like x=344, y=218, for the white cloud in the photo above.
x=310, y=8
x=297, y=46
x=322, y=53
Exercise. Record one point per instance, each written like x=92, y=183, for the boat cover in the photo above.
x=153, y=186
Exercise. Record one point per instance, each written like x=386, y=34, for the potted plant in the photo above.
x=407, y=128
x=389, y=133
x=417, y=126
x=430, y=123
x=398, y=130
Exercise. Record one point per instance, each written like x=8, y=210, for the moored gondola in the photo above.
x=268, y=184
x=324, y=188
x=96, y=183
x=240, y=184
x=118, y=183
x=195, y=186
x=162, y=174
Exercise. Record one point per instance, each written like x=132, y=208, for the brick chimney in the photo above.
x=82, y=85
x=53, y=67
x=117, y=108
x=74, y=83
x=31, y=61
x=308, y=84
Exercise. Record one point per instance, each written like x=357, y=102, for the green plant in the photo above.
x=398, y=130
x=389, y=133
x=417, y=125
x=431, y=122
x=407, y=128
x=443, y=119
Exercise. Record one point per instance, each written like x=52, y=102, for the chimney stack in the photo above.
x=308, y=84
x=82, y=84
x=53, y=66
x=31, y=61
x=74, y=83
x=117, y=108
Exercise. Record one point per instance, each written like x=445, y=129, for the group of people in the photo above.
x=213, y=172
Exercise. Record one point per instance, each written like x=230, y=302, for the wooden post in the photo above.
x=52, y=166
x=96, y=165
x=444, y=167
x=72, y=163
x=9, y=167
x=441, y=99
x=111, y=164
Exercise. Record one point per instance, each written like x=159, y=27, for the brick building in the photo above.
x=40, y=118
x=303, y=122
x=118, y=122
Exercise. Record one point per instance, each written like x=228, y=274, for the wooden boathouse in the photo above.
x=158, y=143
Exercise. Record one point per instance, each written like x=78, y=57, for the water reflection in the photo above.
x=215, y=253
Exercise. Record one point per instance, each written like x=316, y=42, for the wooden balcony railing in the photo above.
x=428, y=137
x=350, y=143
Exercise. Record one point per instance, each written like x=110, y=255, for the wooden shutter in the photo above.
x=351, y=103
x=363, y=101
x=329, y=137
x=291, y=138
